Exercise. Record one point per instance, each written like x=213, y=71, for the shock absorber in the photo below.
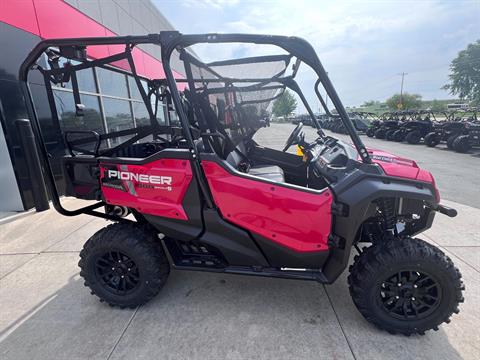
x=388, y=212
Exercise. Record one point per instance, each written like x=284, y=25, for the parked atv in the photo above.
x=445, y=131
x=413, y=130
x=205, y=196
x=374, y=125
x=453, y=127
x=391, y=122
x=305, y=119
x=471, y=135
x=361, y=121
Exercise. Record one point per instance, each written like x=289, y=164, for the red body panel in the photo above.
x=156, y=188
x=293, y=218
x=397, y=166
x=394, y=165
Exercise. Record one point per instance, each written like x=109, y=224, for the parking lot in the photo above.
x=47, y=313
x=457, y=175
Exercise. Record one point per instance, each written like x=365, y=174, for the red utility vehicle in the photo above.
x=201, y=194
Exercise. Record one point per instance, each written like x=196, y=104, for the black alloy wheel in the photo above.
x=410, y=295
x=117, y=272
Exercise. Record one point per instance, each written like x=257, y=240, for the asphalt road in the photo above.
x=457, y=175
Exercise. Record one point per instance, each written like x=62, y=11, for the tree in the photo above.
x=284, y=105
x=465, y=74
x=437, y=106
x=404, y=102
x=371, y=103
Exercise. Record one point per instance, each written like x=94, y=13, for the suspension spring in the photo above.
x=388, y=212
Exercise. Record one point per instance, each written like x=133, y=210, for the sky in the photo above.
x=363, y=45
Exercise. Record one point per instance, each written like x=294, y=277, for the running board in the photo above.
x=301, y=274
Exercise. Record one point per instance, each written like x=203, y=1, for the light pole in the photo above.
x=401, y=88
x=326, y=96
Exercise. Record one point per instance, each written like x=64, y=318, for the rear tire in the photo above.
x=398, y=136
x=414, y=137
x=461, y=144
x=390, y=135
x=450, y=141
x=405, y=286
x=431, y=139
x=124, y=265
x=380, y=134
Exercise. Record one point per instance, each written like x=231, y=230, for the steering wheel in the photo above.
x=294, y=137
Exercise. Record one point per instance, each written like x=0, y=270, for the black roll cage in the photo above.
x=170, y=41
x=295, y=46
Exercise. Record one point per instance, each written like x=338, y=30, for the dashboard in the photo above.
x=329, y=158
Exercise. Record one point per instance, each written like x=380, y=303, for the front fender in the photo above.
x=356, y=192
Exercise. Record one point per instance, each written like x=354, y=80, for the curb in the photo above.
x=17, y=216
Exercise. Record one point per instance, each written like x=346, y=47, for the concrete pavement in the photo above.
x=47, y=313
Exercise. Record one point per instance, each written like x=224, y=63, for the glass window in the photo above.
x=141, y=118
x=134, y=93
x=175, y=121
x=161, y=112
x=141, y=114
x=118, y=116
x=85, y=79
x=91, y=120
x=112, y=83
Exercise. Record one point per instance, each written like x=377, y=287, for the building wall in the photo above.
x=23, y=23
x=10, y=198
x=126, y=17
x=19, y=43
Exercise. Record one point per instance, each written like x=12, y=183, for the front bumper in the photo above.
x=445, y=210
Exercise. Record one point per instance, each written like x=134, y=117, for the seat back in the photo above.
x=238, y=155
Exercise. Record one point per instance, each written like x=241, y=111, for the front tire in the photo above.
x=431, y=139
x=413, y=137
x=461, y=144
x=405, y=286
x=124, y=265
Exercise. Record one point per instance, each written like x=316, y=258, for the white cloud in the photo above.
x=362, y=44
x=218, y=4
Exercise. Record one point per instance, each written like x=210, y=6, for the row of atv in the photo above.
x=361, y=121
x=459, y=130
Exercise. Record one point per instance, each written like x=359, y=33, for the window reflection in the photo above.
x=117, y=111
x=112, y=83
x=141, y=114
x=85, y=79
x=118, y=116
x=134, y=92
x=91, y=120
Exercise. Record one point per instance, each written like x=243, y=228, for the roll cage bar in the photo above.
x=170, y=41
